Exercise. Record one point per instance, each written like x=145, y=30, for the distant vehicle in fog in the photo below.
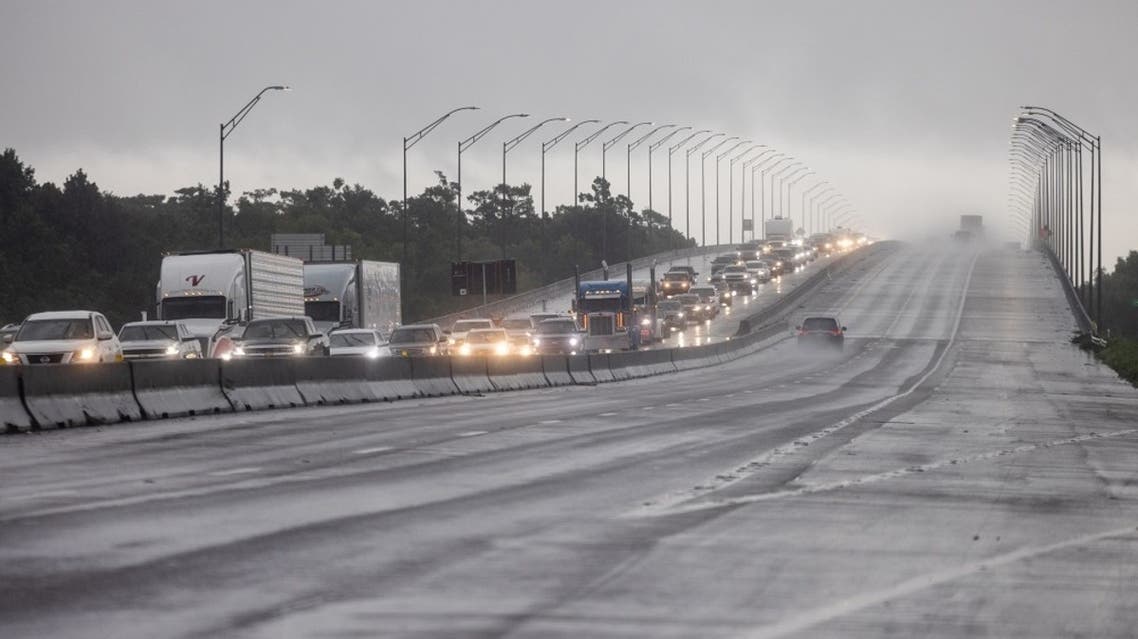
x=158, y=339
x=63, y=337
x=821, y=331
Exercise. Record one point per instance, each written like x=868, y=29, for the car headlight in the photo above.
x=464, y=349
x=645, y=322
x=573, y=341
x=679, y=315
x=298, y=348
x=238, y=351
x=537, y=341
x=450, y=340
x=433, y=350
x=373, y=353
x=85, y=355
x=502, y=348
x=172, y=349
x=9, y=358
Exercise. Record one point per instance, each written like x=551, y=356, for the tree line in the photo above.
x=76, y=246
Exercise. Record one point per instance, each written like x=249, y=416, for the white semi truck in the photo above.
x=209, y=289
x=779, y=229
x=361, y=294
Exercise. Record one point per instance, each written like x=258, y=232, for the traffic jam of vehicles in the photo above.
x=245, y=304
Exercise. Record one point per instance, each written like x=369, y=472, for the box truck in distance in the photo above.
x=361, y=294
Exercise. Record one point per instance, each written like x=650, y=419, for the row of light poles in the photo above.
x=1046, y=197
x=782, y=168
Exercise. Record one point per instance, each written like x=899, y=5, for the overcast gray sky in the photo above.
x=904, y=106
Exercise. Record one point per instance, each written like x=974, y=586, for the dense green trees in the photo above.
x=80, y=247
x=1120, y=298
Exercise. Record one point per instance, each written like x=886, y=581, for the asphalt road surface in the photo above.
x=959, y=470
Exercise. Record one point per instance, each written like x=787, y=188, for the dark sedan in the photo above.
x=821, y=331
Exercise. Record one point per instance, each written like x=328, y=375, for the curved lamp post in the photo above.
x=225, y=129
x=463, y=145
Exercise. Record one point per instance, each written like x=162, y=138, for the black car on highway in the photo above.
x=558, y=336
x=280, y=337
x=822, y=331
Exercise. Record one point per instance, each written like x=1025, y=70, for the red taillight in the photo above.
x=837, y=331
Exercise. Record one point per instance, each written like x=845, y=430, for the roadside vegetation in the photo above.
x=1121, y=354
x=76, y=246
x=1119, y=327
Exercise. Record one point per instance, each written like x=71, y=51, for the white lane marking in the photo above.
x=368, y=451
x=50, y=495
x=726, y=479
x=704, y=399
x=611, y=414
x=672, y=405
x=809, y=618
x=649, y=408
x=236, y=471
x=475, y=433
x=550, y=421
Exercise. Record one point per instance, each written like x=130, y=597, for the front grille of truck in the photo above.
x=601, y=325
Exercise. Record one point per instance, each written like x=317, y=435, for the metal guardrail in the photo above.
x=532, y=297
x=1081, y=316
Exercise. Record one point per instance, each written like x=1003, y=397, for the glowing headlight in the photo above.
x=298, y=349
x=754, y=280
x=645, y=322
x=537, y=341
x=573, y=341
x=373, y=353
x=85, y=355
x=433, y=350
x=526, y=350
x=9, y=358
x=450, y=340
x=464, y=349
x=502, y=348
x=172, y=349
x=238, y=351
x=680, y=315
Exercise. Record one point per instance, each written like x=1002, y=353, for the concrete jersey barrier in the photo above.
x=179, y=388
x=516, y=374
x=13, y=415
x=470, y=374
x=556, y=369
x=258, y=384
x=431, y=376
x=59, y=396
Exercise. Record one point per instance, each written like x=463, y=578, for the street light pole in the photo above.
x=582, y=144
x=605, y=146
x=731, y=191
x=671, y=150
x=652, y=148
x=702, y=165
x=463, y=144
x=806, y=221
x=506, y=148
x=790, y=195
x=755, y=161
x=632, y=146
x=687, y=187
x=547, y=146
x=224, y=130
x=409, y=142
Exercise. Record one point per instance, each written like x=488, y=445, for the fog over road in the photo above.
x=959, y=470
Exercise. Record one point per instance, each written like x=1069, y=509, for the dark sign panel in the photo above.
x=500, y=276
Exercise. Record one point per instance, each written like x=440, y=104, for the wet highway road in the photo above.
x=958, y=471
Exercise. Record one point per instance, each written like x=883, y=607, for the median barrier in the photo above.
x=579, y=369
x=179, y=388
x=390, y=378
x=643, y=363
x=58, y=396
x=333, y=380
x=556, y=369
x=13, y=416
x=599, y=367
x=431, y=376
x=470, y=374
x=257, y=384
x=516, y=373
x=622, y=365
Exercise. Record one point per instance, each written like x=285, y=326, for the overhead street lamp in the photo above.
x=463, y=145
x=767, y=156
x=514, y=142
x=802, y=207
x=783, y=180
x=224, y=130
x=651, y=149
x=791, y=181
x=580, y=144
x=506, y=148
x=632, y=146
x=815, y=222
x=731, y=188
x=822, y=211
x=605, y=146
x=671, y=150
x=702, y=197
x=687, y=184
x=776, y=171
x=547, y=146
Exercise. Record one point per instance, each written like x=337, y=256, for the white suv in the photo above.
x=64, y=337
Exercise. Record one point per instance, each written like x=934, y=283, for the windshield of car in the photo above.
x=486, y=336
x=820, y=324
x=557, y=327
x=704, y=291
x=676, y=276
x=669, y=305
x=517, y=324
x=735, y=268
x=352, y=339
x=147, y=333
x=55, y=329
x=468, y=325
x=269, y=329
x=206, y=307
x=687, y=299
x=755, y=264
x=412, y=336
